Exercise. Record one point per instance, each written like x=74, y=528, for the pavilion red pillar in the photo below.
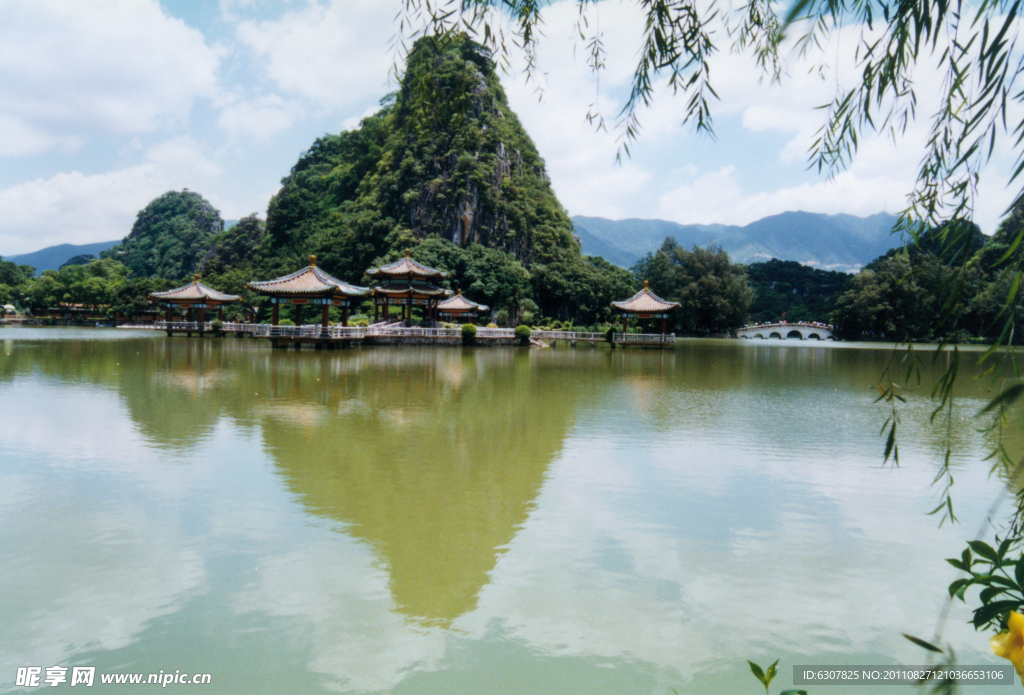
x=623, y=323
x=323, y=320
x=344, y=315
x=274, y=314
x=220, y=313
x=298, y=314
x=170, y=313
x=662, y=326
x=387, y=310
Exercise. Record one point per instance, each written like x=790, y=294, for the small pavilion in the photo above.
x=459, y=306
x=192, y=298
x=645, y=305
x=310, y=286
x=407, y=284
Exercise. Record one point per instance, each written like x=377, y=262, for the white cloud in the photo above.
x=128, y=72
x=72, y=207
x=725, y=188
x=259, y=118
x=334, y=55
x=70, y=71
x=580, y=159
x=716, y=197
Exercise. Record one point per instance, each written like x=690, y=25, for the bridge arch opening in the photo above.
x=775, y=335
x=795, y=334
x=815, y=336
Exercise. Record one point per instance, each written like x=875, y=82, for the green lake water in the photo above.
x=416, y=520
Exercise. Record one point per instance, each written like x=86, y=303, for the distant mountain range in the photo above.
x=828, y=242
x=53, y=257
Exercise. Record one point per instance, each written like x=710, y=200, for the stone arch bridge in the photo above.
x=786, y=331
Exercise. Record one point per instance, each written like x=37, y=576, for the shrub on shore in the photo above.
x=523, y=333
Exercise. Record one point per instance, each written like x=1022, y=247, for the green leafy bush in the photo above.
x=523, y=333
x=468, y=334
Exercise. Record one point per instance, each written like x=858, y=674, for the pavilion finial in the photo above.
x=195, y=278
x=460, y=291
x=312, y=261
x=407, y=253
x=645, y=284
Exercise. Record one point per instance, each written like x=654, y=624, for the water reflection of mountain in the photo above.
x=435, y=457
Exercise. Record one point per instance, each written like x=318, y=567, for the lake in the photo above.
x=470, y=520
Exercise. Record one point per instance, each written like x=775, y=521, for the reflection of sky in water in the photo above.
x=700, y=509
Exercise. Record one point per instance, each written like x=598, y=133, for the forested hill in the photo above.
x=831, y=242
x=444, y=160
x=170, y=236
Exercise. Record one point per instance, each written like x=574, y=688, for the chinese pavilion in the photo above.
x=309, y=286
x=459, y=306
x=405, y=283
x=645, y=305
x=192, y=297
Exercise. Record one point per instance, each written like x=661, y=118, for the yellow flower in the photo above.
x=1010, y=645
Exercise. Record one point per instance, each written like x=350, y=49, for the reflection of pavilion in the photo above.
x=195, y=298
x=406, y=283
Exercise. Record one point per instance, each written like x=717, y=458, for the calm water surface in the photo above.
x=445, y=520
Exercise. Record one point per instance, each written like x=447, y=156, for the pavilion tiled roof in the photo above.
x=406, y=267
x=195, y=291
x=308, y=281
x=406, y=291
x=645, y=302
x=460, y=303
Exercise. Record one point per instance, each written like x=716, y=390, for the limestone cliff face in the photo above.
x=444, y=167
x=444, y=156
x=458, y=162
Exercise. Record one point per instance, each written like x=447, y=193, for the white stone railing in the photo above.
x=382, y=328
x=567, y=335
x=649, y=338
x=182, y=325
x=800, y=324
x=309, y=330
x=398, y=331
x=495, y=333
x=232, y=327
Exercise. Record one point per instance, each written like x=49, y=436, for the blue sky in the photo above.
x=107, y=104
